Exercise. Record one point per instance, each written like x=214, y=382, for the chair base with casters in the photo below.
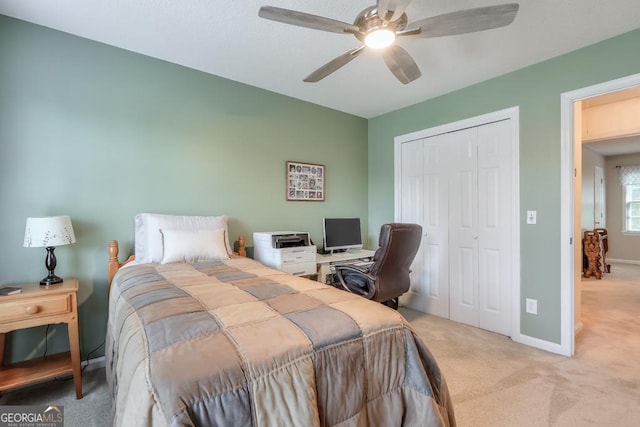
x=388, y=276
x=393, y=303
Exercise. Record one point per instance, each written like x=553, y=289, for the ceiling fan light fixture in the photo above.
x=380, y=38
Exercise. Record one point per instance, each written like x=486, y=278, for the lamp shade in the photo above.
x=49, y=231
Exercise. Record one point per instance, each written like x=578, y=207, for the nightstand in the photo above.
x=36, y=306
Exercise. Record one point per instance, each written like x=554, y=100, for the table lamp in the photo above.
x=49, y=232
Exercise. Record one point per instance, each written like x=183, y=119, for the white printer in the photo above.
x=288, y=251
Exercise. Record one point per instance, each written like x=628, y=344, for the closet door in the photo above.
x=459, y=187
x=495, y=227
x=463, y=227
x=425, y=202
x=412, y=210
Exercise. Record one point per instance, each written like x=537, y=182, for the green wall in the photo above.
x=536, y=90
x=100, y=134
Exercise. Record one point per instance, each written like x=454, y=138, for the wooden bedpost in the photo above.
x=114, y=264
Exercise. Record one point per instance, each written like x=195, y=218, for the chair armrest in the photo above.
x=346, y=268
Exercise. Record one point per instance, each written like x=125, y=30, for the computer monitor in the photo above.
x=340, y=234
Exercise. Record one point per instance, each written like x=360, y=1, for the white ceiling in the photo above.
x=616, y=146
x=228, y=39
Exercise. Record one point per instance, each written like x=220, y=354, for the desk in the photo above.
x=326, y=262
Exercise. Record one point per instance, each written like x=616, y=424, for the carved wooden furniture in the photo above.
x=604, y=248
x=591, y=245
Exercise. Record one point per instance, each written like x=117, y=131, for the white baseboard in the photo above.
x=97, y=363
x=538, y=343
x=623, y=261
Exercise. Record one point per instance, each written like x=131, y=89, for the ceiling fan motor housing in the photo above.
x=368, y=21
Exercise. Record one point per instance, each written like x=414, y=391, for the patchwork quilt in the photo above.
x=236, y=343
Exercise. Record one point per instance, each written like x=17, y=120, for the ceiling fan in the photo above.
x=377, y=27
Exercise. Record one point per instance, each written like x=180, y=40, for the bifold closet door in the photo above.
x=480, y=228
x=463, y=226
x=424, y=200
x=458, y=186
x=495, y=227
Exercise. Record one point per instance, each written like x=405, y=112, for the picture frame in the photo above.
x=305, y=181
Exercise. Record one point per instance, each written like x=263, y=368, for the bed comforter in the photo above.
x=236, y=343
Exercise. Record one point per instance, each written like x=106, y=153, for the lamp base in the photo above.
x=51, y=279
x=50, y=262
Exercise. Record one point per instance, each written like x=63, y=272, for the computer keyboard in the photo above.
x=362, y=263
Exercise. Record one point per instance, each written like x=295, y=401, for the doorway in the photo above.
x=571, y=258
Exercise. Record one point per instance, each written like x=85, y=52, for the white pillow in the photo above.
x=193, y=245
x=148, y=240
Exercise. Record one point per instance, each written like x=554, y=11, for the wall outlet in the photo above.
x=532, y=217
x=532, y=306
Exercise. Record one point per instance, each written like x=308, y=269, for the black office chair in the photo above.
x=388, y=276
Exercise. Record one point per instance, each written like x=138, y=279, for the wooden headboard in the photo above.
x=114, y=264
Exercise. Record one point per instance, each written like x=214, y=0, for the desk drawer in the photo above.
x=35, y=307
x=298, y=255
x=299, y=268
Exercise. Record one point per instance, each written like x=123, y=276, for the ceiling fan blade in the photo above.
x=307, y=20
x=401, y=64
x=465, y=21
x=333, y=65
x=397, y=7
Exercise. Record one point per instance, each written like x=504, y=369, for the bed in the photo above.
x=224, y=340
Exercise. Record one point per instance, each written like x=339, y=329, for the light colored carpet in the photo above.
x=493, y=381
x=93, y=410
x=496, y=382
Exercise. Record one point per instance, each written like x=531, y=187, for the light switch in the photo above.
x=531, y=217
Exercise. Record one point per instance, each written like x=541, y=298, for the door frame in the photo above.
x=567, y=202
x=512, y=114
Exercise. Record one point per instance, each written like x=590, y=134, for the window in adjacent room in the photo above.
x=630, y=180
x=632, y=208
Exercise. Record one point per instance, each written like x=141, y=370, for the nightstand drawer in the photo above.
x=35, y=307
